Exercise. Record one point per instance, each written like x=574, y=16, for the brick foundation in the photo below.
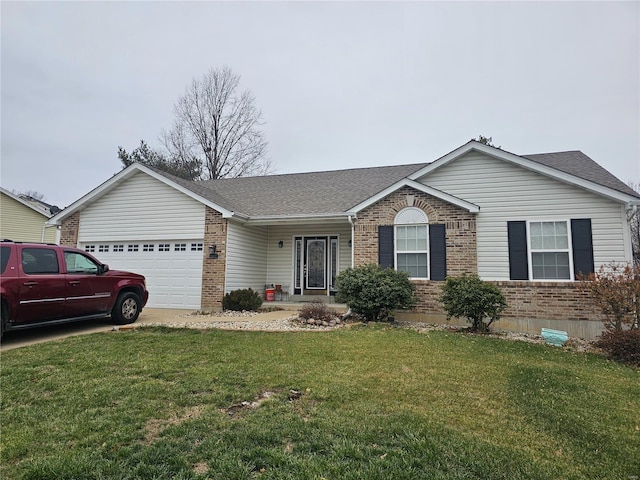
x=530, y=307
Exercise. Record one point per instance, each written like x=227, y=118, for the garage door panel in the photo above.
x=173, y=268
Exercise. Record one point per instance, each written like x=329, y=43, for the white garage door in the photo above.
x=173, y=268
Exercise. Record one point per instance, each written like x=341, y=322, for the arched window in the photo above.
x=412, y=242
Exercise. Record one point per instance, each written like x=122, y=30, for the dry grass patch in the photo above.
x=155, y=426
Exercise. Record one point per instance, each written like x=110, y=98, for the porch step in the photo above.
x=329, y=300
x=296, y=303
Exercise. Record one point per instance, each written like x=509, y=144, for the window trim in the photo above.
x=568, y=250
x=426, y=251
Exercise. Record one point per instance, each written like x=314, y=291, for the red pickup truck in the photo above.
x=44, y=284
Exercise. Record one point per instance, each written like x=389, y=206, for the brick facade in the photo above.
x=529, y=304
x=69, y=230
x=459, y=223
x=213, y=269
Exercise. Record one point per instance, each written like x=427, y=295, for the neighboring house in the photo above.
x=529, y=223
x=25, y=219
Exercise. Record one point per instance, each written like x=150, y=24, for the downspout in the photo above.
x=631, y=209
x=353, y=245
x=352, y=242
x=43, y=230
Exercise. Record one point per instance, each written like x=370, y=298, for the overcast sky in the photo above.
x=340, y=84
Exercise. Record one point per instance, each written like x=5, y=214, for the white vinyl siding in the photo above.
x=507, y=192
x=142, y=208
x=246, y=257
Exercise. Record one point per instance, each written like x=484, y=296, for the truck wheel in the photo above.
x=126, y=309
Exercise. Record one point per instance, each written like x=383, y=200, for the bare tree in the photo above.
x=218, y=126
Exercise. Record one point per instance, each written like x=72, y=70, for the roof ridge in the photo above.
x=553, y=153
x=339, y=170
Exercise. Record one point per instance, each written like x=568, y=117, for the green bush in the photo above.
x=621, y=345
x=241, y=300
x=481, y=303
x=317, y=310
x=374, y=292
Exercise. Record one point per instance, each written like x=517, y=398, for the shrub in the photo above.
x=374, y=292
x=317, y=310
x=476, y=300
x=239, y=300
x=621, y=345
x=615, y=289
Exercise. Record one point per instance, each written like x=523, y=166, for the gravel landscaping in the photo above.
x=231, y=320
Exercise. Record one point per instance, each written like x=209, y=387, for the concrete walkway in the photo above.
x=162, y=316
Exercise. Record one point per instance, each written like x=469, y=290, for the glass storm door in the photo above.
x=316, y=263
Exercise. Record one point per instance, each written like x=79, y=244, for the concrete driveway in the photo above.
x=22, y=338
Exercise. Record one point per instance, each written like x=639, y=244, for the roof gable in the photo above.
x=41, y=211
x=123, y=175
x=574, y=168
x=471, y=207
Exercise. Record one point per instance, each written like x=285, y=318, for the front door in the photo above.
x=315, y=252
x=315, y=264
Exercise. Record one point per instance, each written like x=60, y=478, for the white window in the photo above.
x=90, y=248
x=180, y=247
x=132, y=248
x=118, y=248
x=103, y=248
x=164, y=247
x=147, y=247
x=412, y=242
x=550, y=254
x=196, y=247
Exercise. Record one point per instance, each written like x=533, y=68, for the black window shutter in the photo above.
x=582, y=246
x=385, y=246
x=518, y=258
x=438, y=251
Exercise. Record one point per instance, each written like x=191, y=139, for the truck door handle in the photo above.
x=30, y=284
x=74, y=282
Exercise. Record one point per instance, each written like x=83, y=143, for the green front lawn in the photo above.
x=368, y=402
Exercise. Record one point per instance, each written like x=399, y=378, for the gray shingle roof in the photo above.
x=307, y=193
x=333, y=192
x=578, y=164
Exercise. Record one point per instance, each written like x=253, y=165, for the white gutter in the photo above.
x=311, y=218
x=44, y=227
